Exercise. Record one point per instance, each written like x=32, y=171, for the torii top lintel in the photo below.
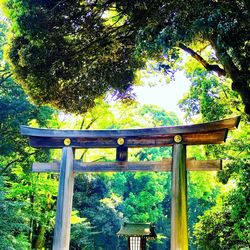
x=205, y=133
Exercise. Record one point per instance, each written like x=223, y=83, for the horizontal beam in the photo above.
x=216, y=137
x=230, y=123
x=204, y=133
x=144, y=166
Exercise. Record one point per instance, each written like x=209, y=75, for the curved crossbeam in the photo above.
x=204, y=133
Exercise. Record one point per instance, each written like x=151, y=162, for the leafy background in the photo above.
x=46, y=64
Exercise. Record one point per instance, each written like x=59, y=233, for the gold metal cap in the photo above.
x=177, y=138
x=67, y=141
x=120, y=141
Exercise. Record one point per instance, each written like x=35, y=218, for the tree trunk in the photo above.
x=38, y=242
x=240, y=78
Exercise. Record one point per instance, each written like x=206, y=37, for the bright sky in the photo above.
x=164, y=95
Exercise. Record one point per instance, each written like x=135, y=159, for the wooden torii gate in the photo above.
x=176, y=136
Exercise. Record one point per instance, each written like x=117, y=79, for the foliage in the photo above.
x=81, y=236
x=12, y=235
x=208, y=96
x=26, y=227
x=103, y=220
x=69, y=53
x=34, y=192
x=65, y=54
x=47, y=61
x=226, y=224
x=105, y=200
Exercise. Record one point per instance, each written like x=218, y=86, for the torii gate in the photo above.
x=176, y=136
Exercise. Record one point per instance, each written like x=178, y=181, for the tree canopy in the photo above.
x=68, y=53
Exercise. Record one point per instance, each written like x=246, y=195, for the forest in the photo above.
x=68, y=64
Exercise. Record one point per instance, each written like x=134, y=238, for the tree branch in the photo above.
x=240, y=78
x=9, y=164
x=100, y=158
x=206, y=65
x=91, y=122
x=82, y=123
x=12, y=162
x=62, y=1
x=83, y=154
x=4, y=78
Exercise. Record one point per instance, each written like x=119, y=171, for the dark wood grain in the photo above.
x=230, y=123
x=121, y=154
x=215, y=137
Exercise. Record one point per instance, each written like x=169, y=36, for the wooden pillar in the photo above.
x=179, y=226
x=122, y=154
x=64, y=201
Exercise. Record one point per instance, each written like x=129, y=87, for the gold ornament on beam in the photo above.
x=177, y=138
x=120, y=141
x=67, y=141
